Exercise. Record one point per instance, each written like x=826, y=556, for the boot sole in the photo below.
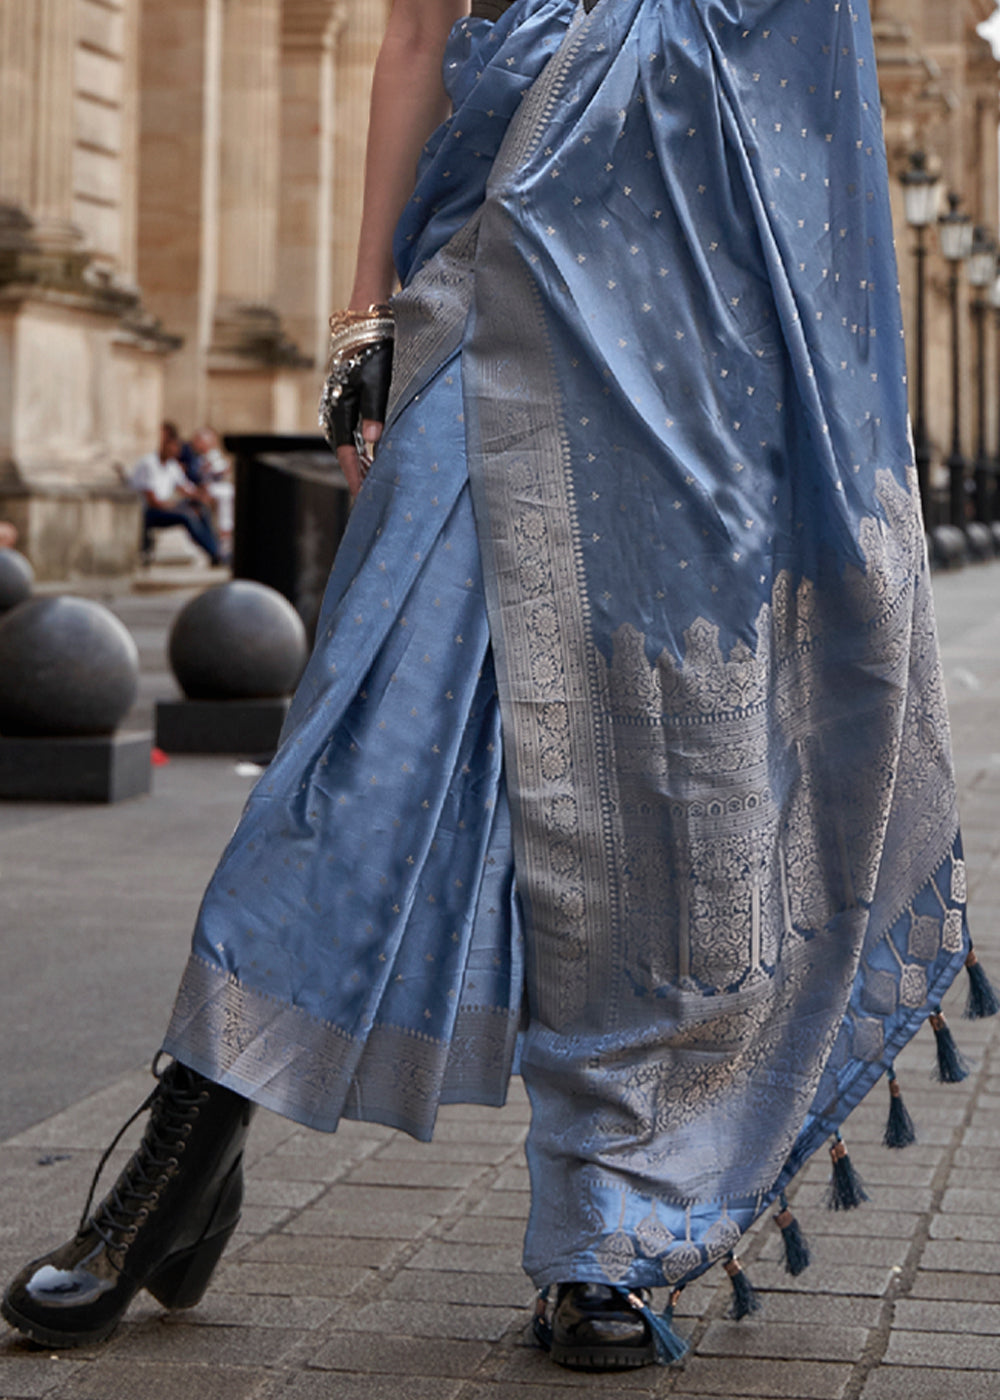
x=602, y=1358
x=45, y=1337
x=180, y=1282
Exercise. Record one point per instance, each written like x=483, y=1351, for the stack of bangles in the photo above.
x=357, y=376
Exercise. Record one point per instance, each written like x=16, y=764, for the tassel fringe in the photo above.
x=899, y=1130
x=952, y=1066
x=797, y=1254
x=847, y=1190
x=669, y=1346
x=983, y=1000
x=745, y=1300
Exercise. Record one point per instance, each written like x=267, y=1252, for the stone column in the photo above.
x=178, y=233
x=305, y=224
x=252, y=362
x=357, y=49
x=37, y=54
x=251, y=113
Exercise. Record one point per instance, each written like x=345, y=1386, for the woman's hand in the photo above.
x=352, y=407
x=355, y=419
x=356, y=465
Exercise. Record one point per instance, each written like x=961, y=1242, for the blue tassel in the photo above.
x=847, y=1190
x=745, y=1300
x=952, y=1066
x=540, y=1324
x=899, y=1130
x=669, y=1346
x=797, y=1254
x=983, y=1000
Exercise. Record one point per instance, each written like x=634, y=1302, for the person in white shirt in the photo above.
x=170, y=497
x=216, y=481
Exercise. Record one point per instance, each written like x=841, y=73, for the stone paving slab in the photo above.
x=370, y=1267
x=402, y=1387
x=794, y=1379
x=904, y=1383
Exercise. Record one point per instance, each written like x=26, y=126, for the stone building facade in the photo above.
x=180, y=184
x=939, y=84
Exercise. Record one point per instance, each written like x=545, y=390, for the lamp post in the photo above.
x=920, y=201
x=982, y=274
x=955, y=231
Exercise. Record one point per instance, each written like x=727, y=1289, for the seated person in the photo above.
x=171, y=499
x=210, y=469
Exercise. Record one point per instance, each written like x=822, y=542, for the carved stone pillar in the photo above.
x=250, y=112
x=357, y=48
x=180, y=77
x=305, y=225
x=252, y=362
x=37, y=51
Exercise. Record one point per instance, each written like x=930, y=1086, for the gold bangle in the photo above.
x=341, y=319
x=351, y=331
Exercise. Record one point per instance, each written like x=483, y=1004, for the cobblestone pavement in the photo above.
x=370, y=1266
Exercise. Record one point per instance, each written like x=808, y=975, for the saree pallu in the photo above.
x=634, y=604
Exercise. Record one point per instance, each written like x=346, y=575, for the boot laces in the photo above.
x=174, y=1105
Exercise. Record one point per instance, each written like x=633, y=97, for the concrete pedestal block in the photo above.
x=980, y=536
x=249, y=727
x=107, y=768
x=949, y=546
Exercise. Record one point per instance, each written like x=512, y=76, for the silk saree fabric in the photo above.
x=624, y=747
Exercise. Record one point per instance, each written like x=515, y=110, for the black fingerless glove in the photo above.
x=358, y=374
x=363, y=393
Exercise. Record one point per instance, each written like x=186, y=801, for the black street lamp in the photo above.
x=982, y=274
x=955, y=231
x=921, y=192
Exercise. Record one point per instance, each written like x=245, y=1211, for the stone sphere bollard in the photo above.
x=16, y=579
x=241, y=641
x=68, y=668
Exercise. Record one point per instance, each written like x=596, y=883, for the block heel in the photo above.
x=184, y=1277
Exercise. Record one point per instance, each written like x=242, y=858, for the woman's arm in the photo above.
x=408, y=102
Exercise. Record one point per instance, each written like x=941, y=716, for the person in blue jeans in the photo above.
x=170, y=497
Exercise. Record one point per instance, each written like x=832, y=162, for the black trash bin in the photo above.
x=291, y=509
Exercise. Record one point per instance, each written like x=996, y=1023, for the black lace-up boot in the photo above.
x=162, y=1226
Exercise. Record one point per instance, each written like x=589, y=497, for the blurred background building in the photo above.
x=180, y=184
x=939, y=83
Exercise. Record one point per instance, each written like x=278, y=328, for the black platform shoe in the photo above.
x=162, y=1226
x=595, y=1328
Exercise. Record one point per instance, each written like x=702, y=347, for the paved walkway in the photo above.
x=370, y=1266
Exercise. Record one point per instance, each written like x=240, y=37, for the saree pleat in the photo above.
x=648, y=459
x=358, y=951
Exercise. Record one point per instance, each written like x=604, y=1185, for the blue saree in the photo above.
x=635, y=604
